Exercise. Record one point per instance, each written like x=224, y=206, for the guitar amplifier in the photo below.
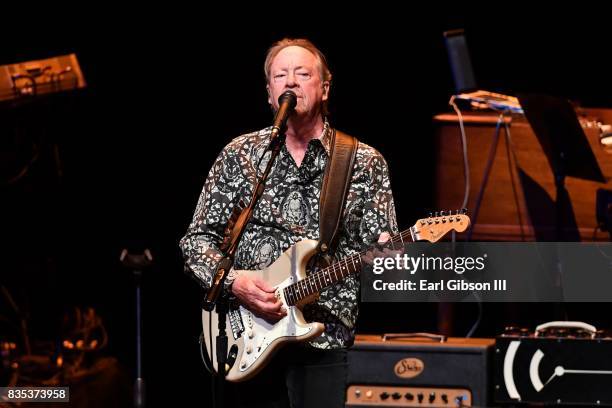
x=404, y=370
x=561, y=363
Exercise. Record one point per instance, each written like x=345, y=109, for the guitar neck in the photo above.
x=337, y=271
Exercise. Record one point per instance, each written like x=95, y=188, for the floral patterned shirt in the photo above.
x=287, y=212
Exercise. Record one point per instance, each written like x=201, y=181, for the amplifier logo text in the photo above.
x=409, y=367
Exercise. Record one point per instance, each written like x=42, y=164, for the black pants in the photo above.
x=298, y=376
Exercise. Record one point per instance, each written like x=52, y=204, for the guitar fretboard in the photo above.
x=335, y=272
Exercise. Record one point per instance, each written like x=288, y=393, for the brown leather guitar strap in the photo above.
x=335, y=187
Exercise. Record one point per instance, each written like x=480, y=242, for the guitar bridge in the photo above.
x=235, y=319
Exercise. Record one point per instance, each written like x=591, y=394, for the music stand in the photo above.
x=565, y=145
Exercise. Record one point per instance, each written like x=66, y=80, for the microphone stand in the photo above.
x=138, y=263
x=286, y=103
x=213, y=299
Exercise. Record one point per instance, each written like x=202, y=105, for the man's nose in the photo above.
x=291, y=82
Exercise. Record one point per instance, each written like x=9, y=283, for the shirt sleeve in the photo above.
x=379, y=212
x=200, y=245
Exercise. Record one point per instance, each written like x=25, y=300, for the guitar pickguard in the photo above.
x=260, y=334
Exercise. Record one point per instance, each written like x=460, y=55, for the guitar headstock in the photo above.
x=437, y=225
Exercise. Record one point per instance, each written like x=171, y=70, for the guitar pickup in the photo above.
x=236, y=323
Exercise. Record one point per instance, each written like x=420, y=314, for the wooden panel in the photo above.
x=515, y=207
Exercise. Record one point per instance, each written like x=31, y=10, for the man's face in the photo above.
x=295, y=68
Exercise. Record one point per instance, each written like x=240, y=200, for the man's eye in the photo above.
x=279, y=76
x=304, y=75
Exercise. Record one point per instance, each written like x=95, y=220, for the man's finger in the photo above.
x=266, y=307
x=263, y=285
x=384, y=237
x=264, y=296
x=381, y=252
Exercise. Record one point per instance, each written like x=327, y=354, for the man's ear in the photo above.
x=325, y=90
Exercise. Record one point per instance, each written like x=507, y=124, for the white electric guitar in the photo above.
x=253, y=340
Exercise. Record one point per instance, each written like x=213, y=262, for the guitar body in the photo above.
x=255, y=338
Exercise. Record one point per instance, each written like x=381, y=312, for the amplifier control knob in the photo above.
x=396, y=395
x=420, y=397
x=384, y=395
x=444, y=398
x=432, y=397
x=369, y=393
x=358, y=393
x=409, y=396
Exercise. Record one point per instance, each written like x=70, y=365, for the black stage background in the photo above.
x=166, y=91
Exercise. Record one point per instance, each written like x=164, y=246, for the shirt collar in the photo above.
x=326, y=137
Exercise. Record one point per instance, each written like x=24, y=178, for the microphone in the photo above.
x=286, y=104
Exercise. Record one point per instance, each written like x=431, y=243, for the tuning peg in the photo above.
x=430, y=214
x=437, y=214
x=464, y=211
